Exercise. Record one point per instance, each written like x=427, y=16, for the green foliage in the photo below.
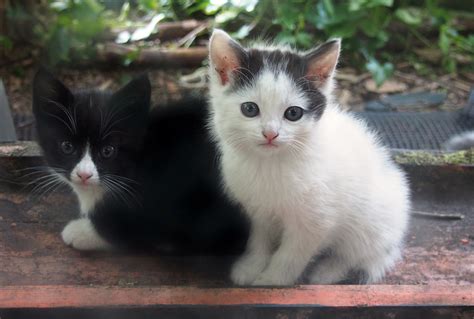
x=5, y=42
x=366, y=27
x=72, y=28
x=375, y=33
x=370, y=29
x=363, y=27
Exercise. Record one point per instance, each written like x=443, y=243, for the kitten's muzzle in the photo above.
x=84, y=176
x=270, y=135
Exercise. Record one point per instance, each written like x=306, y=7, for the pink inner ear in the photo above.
x=318, y=73
x=225, y=66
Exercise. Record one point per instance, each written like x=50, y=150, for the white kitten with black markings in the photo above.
x=311, y=177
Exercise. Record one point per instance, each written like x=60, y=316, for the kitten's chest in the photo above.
x=269, y=186
x=88, y=199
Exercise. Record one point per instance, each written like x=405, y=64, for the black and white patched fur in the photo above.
x=143, y=179
x=314, y=180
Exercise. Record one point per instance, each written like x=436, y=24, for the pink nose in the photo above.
x=84, y=176
x=270, y=135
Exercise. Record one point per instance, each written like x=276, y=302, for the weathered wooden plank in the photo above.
x=27, y=267
x=108, y=269
x=327, y=296
x=7, y=129
x=32, y=252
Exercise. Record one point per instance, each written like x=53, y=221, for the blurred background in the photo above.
x=389, y=47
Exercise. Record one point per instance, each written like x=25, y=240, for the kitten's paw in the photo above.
x=81, y=234
x=266, y=279
x=247, y=268
x=272, y=279
x=329, y=271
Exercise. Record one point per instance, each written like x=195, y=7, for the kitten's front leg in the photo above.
x=81, y=234
x=256, y=257
x=291, y=258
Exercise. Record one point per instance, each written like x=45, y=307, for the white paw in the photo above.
x=247, y=268
x=80, y=234
x=329, y=271
x=324, y=278
x=268, y=278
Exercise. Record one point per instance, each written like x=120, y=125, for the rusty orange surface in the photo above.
x=37, y=270
x=331, y=296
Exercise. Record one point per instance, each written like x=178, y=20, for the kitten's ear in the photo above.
x=225, y=55
x=49, y=94
x=322, y=61
x=134, y=96
x=132, y=103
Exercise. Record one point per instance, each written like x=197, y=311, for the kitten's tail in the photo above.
x=459, y=142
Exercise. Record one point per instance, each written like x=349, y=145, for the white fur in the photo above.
x=81, y=234
x=91, y=193
x=328, y=185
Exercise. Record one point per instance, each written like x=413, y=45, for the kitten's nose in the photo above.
x=270, y=135
x=84, y=176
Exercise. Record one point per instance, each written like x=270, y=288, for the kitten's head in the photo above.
x=90, y=137
x=268, y=98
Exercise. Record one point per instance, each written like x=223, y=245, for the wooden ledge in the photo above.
x=18, y=297
x=20, y=149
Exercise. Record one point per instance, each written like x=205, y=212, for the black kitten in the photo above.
x=143, y=179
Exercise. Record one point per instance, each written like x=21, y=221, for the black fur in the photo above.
x=176, y=200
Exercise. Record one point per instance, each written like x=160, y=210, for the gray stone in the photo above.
x=377, y=106
x=414, y=100
x=7, y=129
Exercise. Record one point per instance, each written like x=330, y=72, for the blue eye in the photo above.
x=294, y=113
x=249, y=109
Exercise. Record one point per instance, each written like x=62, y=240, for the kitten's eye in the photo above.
x=249, y=109
x=67, y=147
x=294, y=113
x=107, y=151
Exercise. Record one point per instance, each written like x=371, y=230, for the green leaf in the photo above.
x=304, y=39
x=226, y=16
x=449, y=64
x=148, y=5
x=131, y=56
x=286, y=37
x=59, y=45
x=342, y=31
x=242, y=32
x=411, y=16
x=374, y=23
x=444, y=40
x=380, y=72
x=328, y=6
x=59, y=5
x=356, y=5
x=6, y=42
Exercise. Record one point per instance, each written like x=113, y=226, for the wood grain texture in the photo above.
x=327, y=296
x=38, y=271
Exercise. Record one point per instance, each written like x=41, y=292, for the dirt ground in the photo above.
x=353, y=87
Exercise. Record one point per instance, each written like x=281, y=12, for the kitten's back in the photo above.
x=184, y=205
